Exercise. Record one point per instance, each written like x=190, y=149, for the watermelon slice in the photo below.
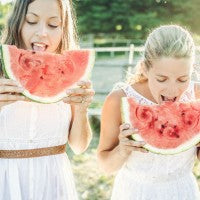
x=46, y=76
x=169, y=128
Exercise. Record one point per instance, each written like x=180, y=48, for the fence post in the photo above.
x=131, y=53
x=127, y=68
x=130, y=59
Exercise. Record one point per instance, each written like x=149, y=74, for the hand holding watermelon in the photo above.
x=126, y=145
x=10, y=92
x=80, y=96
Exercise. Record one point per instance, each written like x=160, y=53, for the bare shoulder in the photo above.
x=115, y=96
x=197, y=89
x=111, y=109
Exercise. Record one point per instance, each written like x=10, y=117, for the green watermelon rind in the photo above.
x=2, y=62
x=6, y=69
x=186, y=146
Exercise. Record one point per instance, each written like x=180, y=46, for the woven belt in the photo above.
x=31, y=153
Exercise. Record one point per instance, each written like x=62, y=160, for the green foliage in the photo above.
x=4, y=9
x=132, y=18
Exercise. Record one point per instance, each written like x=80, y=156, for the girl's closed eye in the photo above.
x=183, y=79
x=31, y=22
x=53, y=26
x=161, y=80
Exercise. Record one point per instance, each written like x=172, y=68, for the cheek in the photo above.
x=56, y=36
x=26, y=34
x=155, y=87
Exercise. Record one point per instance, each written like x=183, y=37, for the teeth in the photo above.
x=39, y=47
x=168, y=99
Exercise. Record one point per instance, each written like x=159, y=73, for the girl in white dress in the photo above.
x=163, y=74
x=42, y=170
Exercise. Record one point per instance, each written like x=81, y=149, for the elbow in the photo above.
x=79, y=147
x=77, y=150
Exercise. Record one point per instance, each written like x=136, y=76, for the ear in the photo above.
x=144, y=69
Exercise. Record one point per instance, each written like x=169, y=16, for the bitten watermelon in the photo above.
x=46, y=76
x=169, y=128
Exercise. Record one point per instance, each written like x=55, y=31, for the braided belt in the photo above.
x=31, y=153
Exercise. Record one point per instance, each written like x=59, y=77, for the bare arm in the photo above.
x=80, y=133
x=114, y=146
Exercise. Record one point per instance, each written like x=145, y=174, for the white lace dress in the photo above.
x=149, y=176
x=29, y=125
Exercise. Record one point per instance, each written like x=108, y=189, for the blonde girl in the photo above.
x=164, y=74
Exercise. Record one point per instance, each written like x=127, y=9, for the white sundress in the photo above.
x=30, y=125
x=149, y=176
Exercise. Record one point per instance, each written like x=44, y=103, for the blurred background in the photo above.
x=117, y=29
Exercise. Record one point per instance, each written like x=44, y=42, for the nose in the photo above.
x=42, y=30
x=173, y=90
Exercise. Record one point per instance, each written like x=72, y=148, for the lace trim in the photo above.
x=189, y=94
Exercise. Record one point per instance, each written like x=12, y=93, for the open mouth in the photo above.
x=39, y=46
x=164, y=98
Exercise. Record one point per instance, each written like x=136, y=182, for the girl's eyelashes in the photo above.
x=31, y=22
x=182, y=81
x=50, y=25
x=163, y=80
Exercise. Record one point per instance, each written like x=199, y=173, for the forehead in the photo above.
x=45, y=8
x=172, y=66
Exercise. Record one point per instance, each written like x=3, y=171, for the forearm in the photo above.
x=111, y=161
x=80, y=134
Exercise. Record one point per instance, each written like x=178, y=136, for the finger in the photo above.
x=124, y=126
x=135, y=143
x=10, y=97
x=128, y=132
x=10, y=82
x=73, y=99
x=85, y=84
x=130, y=148
x=80, y=91
x=8, y=89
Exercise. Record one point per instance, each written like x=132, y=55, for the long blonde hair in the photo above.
x=165, y=41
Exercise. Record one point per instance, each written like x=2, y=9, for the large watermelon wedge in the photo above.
x=169, y=128
x=46, y=76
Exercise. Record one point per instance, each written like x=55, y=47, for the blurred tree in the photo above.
x=133, y=18
x=130, y=18
x=4, y=9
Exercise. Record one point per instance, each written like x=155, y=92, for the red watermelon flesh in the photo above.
x=46, y=76
x=169, y=128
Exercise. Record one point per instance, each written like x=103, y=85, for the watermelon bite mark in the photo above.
x=169, y=128
x=46, y=76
